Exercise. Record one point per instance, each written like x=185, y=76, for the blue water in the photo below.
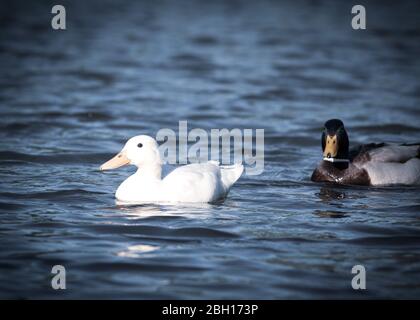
x=69, y=100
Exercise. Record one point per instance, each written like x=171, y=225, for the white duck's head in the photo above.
x=139, y=151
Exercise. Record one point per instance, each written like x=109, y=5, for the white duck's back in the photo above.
x=200, y=182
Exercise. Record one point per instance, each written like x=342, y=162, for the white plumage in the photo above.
x=199, y=183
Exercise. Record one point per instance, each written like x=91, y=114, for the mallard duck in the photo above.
x=375, y=164
x=198, y=182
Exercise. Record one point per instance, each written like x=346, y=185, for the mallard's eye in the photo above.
x=140, y=145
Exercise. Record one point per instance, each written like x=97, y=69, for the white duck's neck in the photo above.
x=149, y=172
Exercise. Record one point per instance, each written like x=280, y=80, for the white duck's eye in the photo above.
x=140, y=145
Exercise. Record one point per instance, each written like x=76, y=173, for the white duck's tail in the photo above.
x=230, y=174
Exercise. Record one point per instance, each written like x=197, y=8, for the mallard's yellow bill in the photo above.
x=331, y=147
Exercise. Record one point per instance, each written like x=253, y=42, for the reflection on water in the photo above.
x=69, y=100
x=330, y=214
x=137, y=250
x=333, y=197
x=327, y=194
x=193, y=210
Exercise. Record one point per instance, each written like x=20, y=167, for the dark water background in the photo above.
x=69, y=99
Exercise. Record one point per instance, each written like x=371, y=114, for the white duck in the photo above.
x=200, y=182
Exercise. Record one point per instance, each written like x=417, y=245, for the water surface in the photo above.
x=69, y=100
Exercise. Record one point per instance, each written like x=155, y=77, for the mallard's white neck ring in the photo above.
x=336, y=160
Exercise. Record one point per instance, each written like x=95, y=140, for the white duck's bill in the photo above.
x=118, y=161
